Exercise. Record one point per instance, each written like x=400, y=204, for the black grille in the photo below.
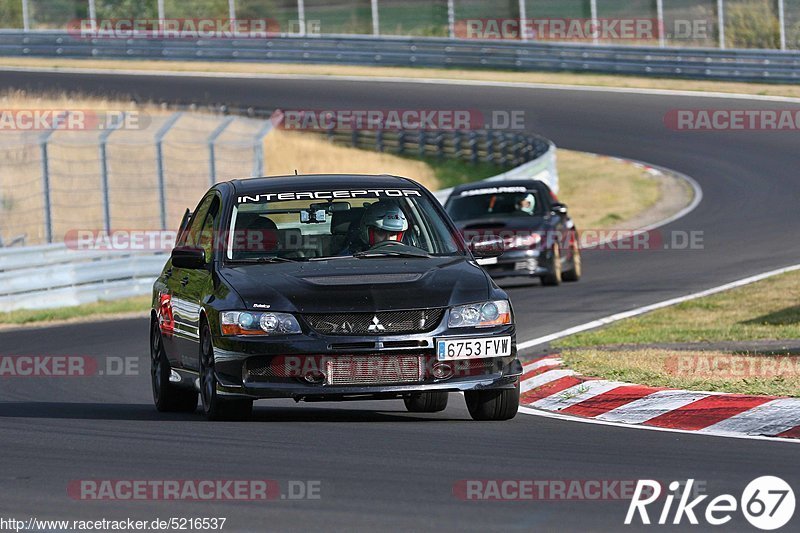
x=383, y=323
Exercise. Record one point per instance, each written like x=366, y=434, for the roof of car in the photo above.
x=304, y=182
x=530, y=184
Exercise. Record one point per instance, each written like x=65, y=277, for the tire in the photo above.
x=167, y=396
x=215, y=407
x=427, y=402
x=554, y=277
x=493, y=404
x=574, y=274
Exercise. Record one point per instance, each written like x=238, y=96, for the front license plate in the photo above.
x=453, y=349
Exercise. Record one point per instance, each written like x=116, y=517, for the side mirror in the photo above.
x=487, y=247
x=188, y=257
x=559, y=209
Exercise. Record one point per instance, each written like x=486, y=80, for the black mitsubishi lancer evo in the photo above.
x=329, y=288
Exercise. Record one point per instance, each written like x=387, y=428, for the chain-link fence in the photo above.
x=764, y=24
x=65, y=171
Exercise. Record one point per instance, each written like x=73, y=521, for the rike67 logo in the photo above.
x=767, y=503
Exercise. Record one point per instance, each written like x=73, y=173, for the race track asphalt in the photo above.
x=380, y=467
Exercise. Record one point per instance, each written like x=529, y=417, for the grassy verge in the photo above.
x=764, y=311
x=139, y=304
x=707, y=371
x=602, y=192
x=549, y=78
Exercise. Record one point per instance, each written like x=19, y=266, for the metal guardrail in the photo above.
x=51, y=276
x=704, y=63
x=532, y=157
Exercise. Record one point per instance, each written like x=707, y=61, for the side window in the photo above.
x=205, y=239
x=190, y=236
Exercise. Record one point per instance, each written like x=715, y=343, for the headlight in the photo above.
x=246, y=323
x=480, y=315
x=523, y=242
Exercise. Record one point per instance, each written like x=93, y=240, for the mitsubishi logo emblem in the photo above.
x=376, y=325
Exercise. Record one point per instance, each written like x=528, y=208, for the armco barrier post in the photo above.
x=93, y=14
x=258, y=159
x=26, y=16
x=104, y=171
x=593, y=8
x=376, y=18
x=473, y=147
x=379, y=141
x=232, y=9
x=523, y=14
x=162, y=190
x=301, y=16
x=212, y=156
x=451, y=19
x=48, y=213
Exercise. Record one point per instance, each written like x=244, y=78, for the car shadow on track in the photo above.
x=144, y=412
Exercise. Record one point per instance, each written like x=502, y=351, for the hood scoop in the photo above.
x=363, y=279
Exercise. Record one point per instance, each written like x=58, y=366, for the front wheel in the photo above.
x=426, y=402
x=493, y=404
x=167, y=396
x=215, y=407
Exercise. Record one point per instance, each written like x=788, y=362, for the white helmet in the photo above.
x=530, y=199
x=384, y=216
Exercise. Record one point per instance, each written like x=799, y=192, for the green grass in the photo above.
x=659, y=368
x=453, y=172
x=765, y=310
x=129, y=305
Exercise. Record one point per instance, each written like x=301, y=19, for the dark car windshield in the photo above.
x=494, y=203
x=270, y=228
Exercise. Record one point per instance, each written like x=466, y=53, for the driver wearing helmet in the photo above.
x=382, y=222
x=527, y=204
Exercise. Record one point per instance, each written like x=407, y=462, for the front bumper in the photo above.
x=520, y=263
x=244, y=365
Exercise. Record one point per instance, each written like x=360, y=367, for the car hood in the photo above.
x=358, y=285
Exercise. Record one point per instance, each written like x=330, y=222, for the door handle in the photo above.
x=185, y=281
x=168, y=274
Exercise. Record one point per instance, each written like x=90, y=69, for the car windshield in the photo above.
x=495, y=202
x=283, y=227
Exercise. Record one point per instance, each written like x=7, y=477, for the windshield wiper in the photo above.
x=263, y=260
x=393, y=253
